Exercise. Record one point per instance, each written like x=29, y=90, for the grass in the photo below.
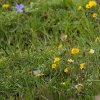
x=31, y=40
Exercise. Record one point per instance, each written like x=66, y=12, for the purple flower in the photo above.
x=19, y=7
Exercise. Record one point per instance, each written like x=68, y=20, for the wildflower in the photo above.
x=79, y=8
x=91, y=51
x=70, y=60
x=82, y=65
x=19, y=7
x=75, y=51
x=66, y=70
x=56, y=59
x=87, y=6
x=6, y=6
x=97, y=39
x=79, y=87
x=54, y=66
x=94, y=15
x=91, y=4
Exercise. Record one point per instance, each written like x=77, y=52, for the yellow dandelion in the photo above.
x=87, y=6
x=82, y=66
x=6, y=6
x=94, y=15
x=56, y=59
x=54, y=66
x=75, y=51
x=79, y=8
x=66, y=70
x=91, y=3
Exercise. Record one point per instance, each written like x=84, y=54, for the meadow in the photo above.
x=49, y=50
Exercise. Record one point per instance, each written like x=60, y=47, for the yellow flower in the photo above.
x=6, y=6
x=79, y=8
x=91, y=51
x=56, y=59
x=94, y=15
x=75, y=51
x=54, y=66
x=66, y=70
x=82, y=65
x=79, y=87
x=91, y=4
x=70, y=60
x=97, y=39
x=87, y=6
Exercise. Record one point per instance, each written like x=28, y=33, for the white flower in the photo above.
x=91, y=51
x=70, y=60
